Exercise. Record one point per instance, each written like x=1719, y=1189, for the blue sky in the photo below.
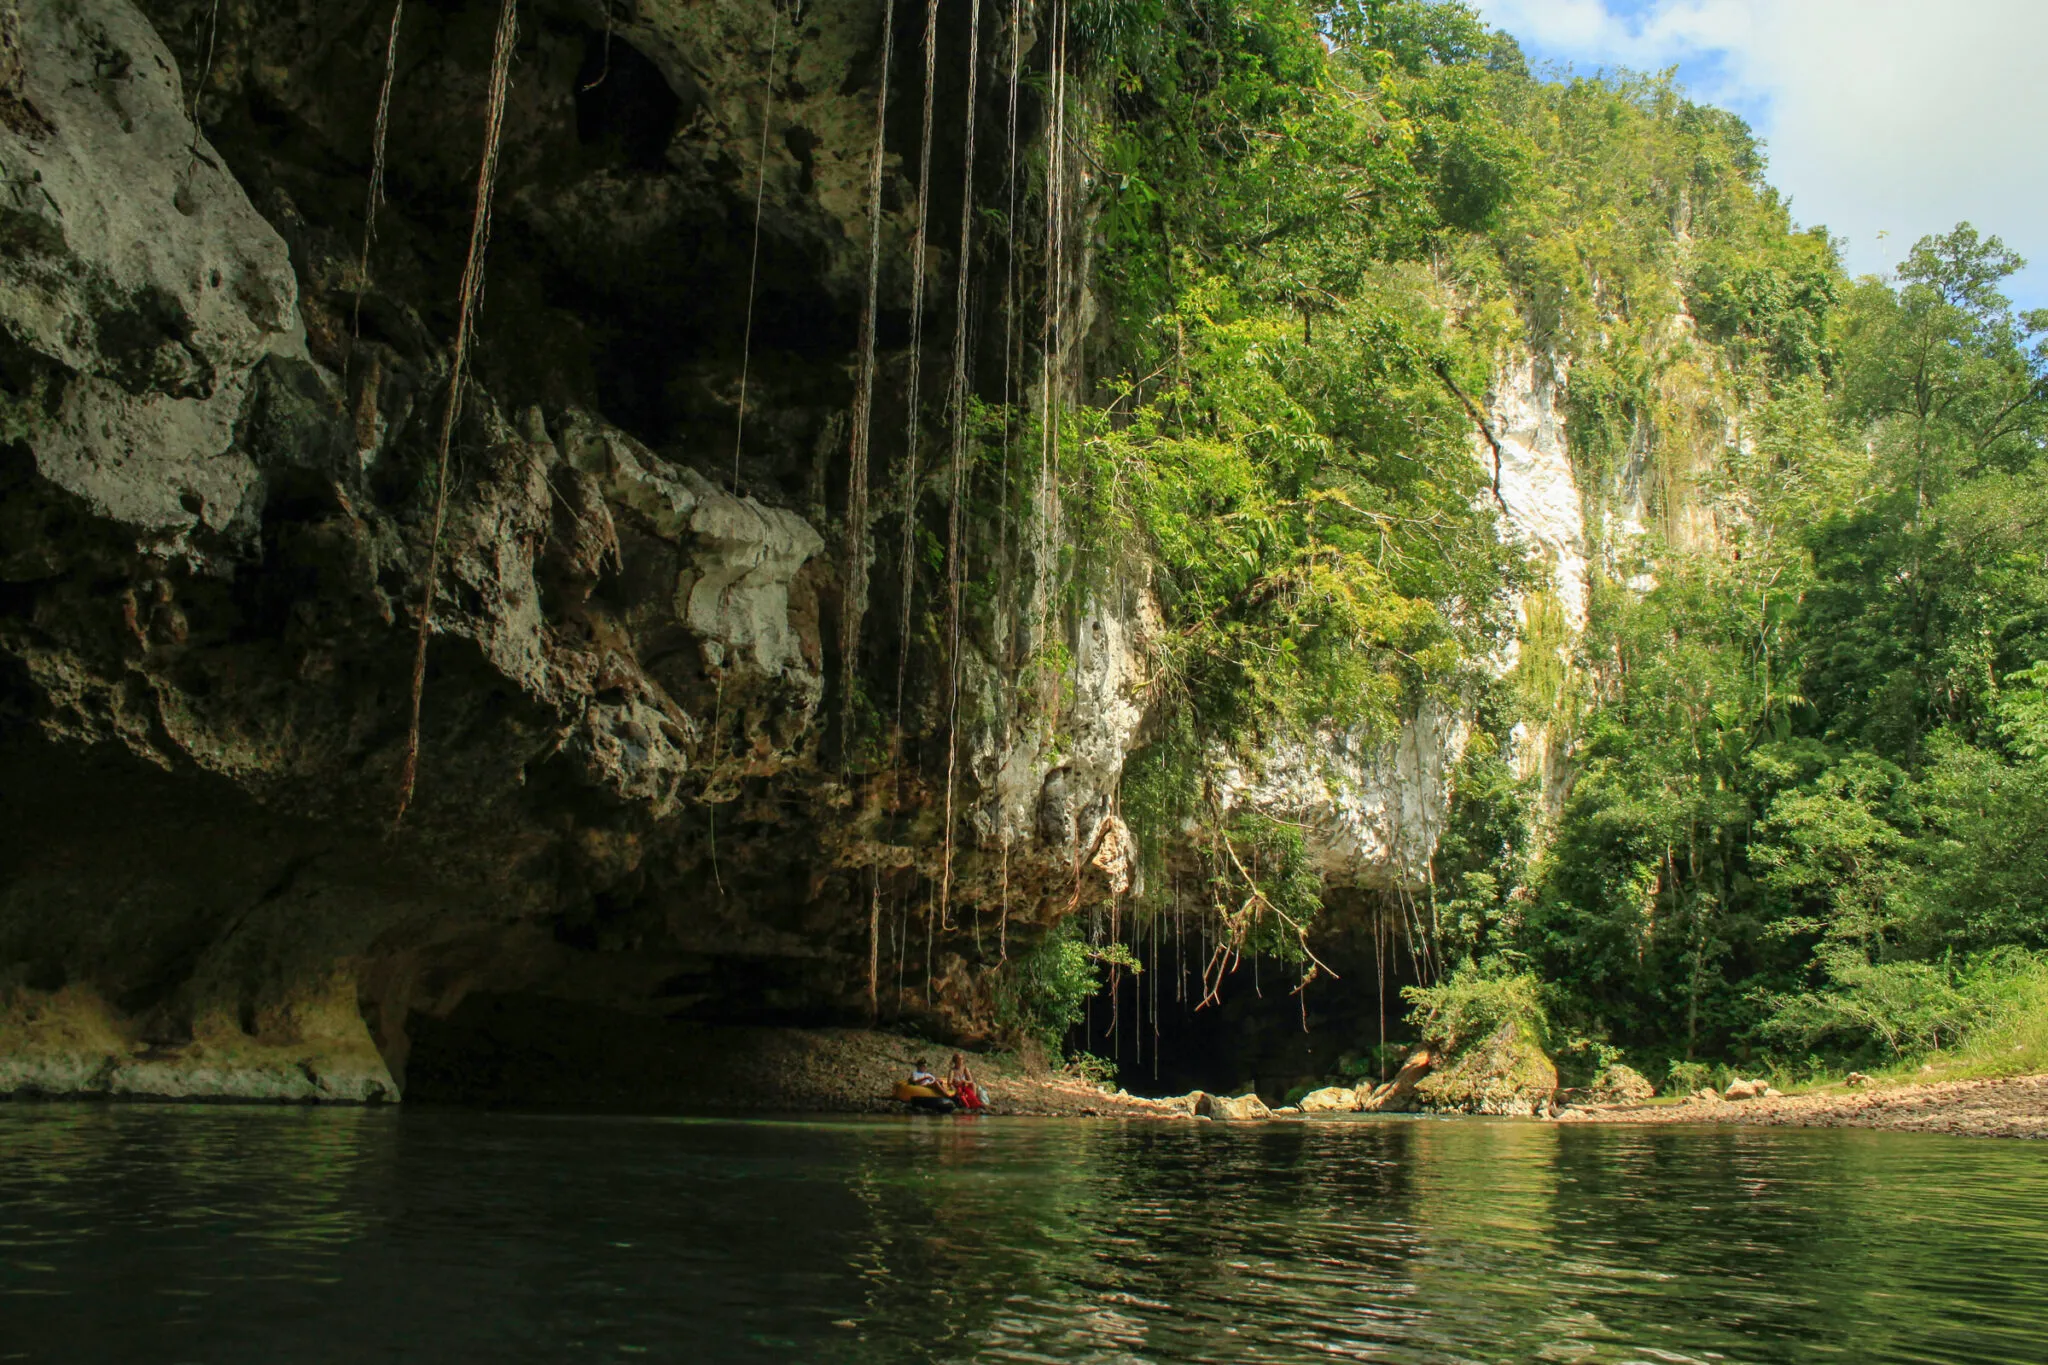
x=1884, y=120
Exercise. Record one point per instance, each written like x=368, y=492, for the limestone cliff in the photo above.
x=636, y=791
x=216, y=450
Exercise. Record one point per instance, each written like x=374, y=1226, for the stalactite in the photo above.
x=863, y=414
x=754, y=264
x=956, y=558
x=913, y=430
x=465, y=321
x=379, y=131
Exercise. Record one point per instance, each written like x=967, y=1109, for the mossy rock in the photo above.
x=1506, y=1072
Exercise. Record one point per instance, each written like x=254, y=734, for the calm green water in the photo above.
x=131, y=1233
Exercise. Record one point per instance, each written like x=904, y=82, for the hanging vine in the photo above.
x=754, y=262
x=1006, y=576
x=465, y=322
x=956, y=567
x=913, y=425
x=375, y=197
x=863, y=416
x=1052, y=342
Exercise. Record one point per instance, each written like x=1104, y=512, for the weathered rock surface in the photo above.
x=1331, y=1099
x=1242, y=1109
x=1536, y=479
x=72, y=1043
x=1371, y=810
x=139, y=288
x=1618, y=1083
x=2009, y=1107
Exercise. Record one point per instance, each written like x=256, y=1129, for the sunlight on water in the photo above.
x=139, y=1233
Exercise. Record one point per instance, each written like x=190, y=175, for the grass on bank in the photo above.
x=1956, y=1018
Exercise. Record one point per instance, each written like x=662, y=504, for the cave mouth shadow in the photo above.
x=1252, y=1036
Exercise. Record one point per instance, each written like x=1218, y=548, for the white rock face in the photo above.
x=737, y=561
x=136, y=266
x=1372, y=811
x=742, y=555
x=1536, y=481
x=1058, y=788
x=1546, y=512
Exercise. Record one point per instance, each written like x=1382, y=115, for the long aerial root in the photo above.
x=754, y=267
x=376, y=194
x=863, y=418
x=472, y=288
x=956, y=566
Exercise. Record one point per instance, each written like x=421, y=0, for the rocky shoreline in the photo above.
x=790, y=1070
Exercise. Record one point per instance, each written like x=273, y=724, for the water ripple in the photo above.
x=139, y=1233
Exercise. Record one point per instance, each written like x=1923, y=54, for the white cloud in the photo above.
x=1899, y=117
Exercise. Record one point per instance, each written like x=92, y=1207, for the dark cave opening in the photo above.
x=625, y=106
x=1259, y=1032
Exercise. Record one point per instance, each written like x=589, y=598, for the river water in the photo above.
x=154, y=1233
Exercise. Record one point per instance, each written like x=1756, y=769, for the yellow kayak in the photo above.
x=924, y=1097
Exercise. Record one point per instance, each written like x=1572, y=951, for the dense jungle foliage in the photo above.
x=1807, y=719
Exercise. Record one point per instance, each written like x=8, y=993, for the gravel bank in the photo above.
x=2012, y=1107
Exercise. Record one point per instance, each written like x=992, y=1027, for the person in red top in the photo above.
x=960, y=1082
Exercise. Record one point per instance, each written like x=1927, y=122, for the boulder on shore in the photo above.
x=1331, y=1099
x=1243, y=1109
x=1505, y=1073
x=1739, y=1089
x=1617, y=1083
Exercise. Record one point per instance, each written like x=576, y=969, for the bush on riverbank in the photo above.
x=1041, y=993
x=1475, y=1001
x=1903, y=1010
x=1491, y=1030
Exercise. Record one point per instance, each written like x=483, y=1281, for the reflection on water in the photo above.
x=132, y=1233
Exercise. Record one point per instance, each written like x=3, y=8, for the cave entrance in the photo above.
x=1259, y=1032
